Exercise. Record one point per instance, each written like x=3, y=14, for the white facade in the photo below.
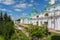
x=53, y=18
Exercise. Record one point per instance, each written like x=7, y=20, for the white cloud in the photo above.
x=30, y=5
x=32, y=1
x=4, y=9
x=18, y=10
x=24, y=14
x=7, y=2
x=23, y=5
x=10, y=11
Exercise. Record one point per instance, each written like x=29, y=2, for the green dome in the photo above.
x=33, y=12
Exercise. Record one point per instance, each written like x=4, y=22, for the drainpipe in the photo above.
x=37, y=19
x=54, y=19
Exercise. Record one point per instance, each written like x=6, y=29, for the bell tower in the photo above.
x=51, y=2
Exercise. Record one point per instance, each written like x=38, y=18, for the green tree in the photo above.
x=8, y=30
x=36, y=32
x=1, y=21
x=5, y=17
x=6, y=26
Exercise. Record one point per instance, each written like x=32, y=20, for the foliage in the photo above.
x=36, y=31
x=6, y=26
x=55, y=37
x=21, y=36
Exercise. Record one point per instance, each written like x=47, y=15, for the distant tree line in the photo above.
x=6, y=25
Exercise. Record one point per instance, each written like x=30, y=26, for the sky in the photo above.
x=17, y=8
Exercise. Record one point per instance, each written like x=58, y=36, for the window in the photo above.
x=46, y=14
x=37, y=16
x=46, y=23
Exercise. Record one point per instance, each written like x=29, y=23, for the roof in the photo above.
x=23, y=17
x=48, y=6
x=26, y=17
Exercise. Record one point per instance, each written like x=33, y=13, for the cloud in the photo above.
x=18, y=10
x=24, y=14
x=23, y=5
x=30, y=5
x=7, y=2
x=3, y=9
x=32, y=1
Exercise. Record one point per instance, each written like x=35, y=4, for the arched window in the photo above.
x=37, y=16
x=46, y=14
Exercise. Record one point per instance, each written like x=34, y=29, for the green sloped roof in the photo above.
x=33, y=12
x=23, y=17
x=49, y=5
x=27, y=17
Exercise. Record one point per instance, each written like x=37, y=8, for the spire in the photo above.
x=51, y=2
x=34, y=7
x=34, y=11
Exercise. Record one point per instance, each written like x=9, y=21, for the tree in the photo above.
x=36, y=32
x=5, y=17
x=8, y=30
x=6, y=26
x=1, y=21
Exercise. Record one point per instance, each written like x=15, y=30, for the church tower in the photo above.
x=51, y=2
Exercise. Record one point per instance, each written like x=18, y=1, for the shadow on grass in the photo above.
x=55, y=37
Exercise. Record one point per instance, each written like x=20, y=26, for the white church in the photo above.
x=50, y=16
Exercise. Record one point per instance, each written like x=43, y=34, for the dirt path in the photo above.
x=22, y=29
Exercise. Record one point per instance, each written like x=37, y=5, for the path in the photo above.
x=21, y=27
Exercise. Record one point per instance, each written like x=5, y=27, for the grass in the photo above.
x=20, y=36
x=1, y=37
x=24, y=37
x=53, y=36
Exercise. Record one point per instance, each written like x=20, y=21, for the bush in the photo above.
x=55, y=37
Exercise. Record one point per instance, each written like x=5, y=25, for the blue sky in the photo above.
x=17, y=8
